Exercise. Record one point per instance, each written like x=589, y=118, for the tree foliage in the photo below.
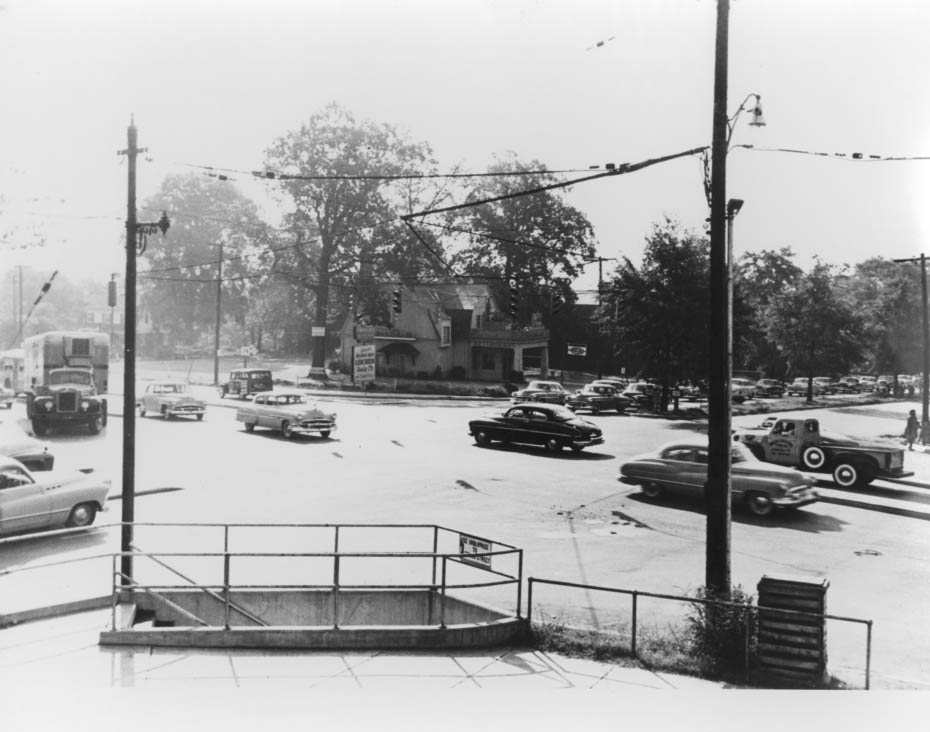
x=537, y=240
x=814, y=327
x=658, y=313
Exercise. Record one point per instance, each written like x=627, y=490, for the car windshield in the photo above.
x=68, y=376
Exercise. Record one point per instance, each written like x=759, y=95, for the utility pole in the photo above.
x=717, y=490
x=925, y=380
x=216, y=332
x=135, y=239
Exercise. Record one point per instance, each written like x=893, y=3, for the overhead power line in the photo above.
x=220, y=173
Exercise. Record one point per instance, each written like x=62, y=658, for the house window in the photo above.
x=487, y=361
x=446, y=334
x=479, y=321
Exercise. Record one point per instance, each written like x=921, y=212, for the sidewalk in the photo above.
x=62, y=653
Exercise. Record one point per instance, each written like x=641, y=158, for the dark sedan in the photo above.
x=550, y=392
x=598, y=397
x=770, y=388
x=549, y=425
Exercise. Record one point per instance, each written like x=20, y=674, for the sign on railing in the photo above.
x=474, y=551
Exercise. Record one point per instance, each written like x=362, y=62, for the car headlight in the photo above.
x=85, y=405
x=48, y=406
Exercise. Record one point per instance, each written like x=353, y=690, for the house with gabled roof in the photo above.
x=448, y=330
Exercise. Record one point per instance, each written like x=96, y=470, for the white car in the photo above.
x=48, y=500
x=171, y=399
x=287, y=412
x=742, y=389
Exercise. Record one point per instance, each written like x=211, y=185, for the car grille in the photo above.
x=317, y=424
x=67, y=401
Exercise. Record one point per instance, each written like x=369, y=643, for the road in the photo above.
x=412, y=461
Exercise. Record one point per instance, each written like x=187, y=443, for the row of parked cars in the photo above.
x=602, y=395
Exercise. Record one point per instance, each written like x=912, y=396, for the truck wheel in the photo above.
x=39, y=427
x=95, y=425
x=813, y=457
x=759, y=503
x=853, y=475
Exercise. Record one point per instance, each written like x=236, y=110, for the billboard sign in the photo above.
x=363, y=363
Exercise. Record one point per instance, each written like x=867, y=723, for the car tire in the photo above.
x=482, y=438
x=324, y=434
x=200, y=417
x=95, y=425
x=82, y=514
x=286, y=431
x=813, y=457
x=553, y=444
x=141, y=411
x=759, y=503
x=594, y=409
x=249, y=426
x=39, y=427
x=849, y=474
x=739, y=399
x=652, y=490
x=222, y=392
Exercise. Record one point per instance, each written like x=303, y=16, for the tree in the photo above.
x=760, y=278
x=63, y=307
x=813, y=326
x=886, y=296
x=335, y=170
x=180, y=277
x=537, y=240
x=659, y=313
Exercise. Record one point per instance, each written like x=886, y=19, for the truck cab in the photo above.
x=800, y=443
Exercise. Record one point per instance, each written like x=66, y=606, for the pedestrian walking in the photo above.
x=911, y=430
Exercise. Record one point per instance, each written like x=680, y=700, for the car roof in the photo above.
x=8, y=462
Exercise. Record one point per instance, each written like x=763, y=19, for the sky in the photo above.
x=214, y=83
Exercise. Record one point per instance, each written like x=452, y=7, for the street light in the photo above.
x=757, y=119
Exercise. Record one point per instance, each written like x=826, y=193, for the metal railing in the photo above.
x=747, y=608
x=438, y=580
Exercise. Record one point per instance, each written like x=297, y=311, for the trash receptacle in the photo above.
x=792, y=632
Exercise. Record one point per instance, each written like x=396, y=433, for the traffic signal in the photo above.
x=396, y=302
x=514, y=300
x=557, y=303
x=111, y=293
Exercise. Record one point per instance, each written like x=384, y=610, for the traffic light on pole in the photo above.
x=396, y=302
x=514, y=300
x=557, y=303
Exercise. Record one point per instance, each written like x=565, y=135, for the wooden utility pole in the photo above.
x=925, y=377
x=219, y=313
x=717, y=490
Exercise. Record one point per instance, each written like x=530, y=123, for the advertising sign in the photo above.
x=472, y=548
x=317, y=331
x=363, y=363
x=576, y=349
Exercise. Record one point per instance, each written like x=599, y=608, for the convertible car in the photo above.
x=682, y=467
x=51, y=500
x=171, y=399
x=535, y=423
x=286, y=411
x=598, y=397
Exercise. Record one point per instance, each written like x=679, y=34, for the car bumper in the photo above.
x=794, y=500
x=189, y=411
x=588, y=442
x=308, y=427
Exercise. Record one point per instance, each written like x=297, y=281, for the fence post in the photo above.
x=746, y=610
x=226, y=576
x=633, y=641
x=529, y=600
x=115, y=595
x=442, y=597
x=868, y=653
x=519, y=583
x=336, y=579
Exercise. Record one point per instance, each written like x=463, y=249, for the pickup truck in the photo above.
x=799, y=443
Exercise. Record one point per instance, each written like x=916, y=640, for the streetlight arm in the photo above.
x=757, y=119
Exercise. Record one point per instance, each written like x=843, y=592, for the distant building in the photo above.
x=450, y=330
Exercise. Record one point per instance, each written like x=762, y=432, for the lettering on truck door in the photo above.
x=782, y=445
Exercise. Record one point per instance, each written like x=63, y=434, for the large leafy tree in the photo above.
x=886, y=296
x=537, y=240
x=815, y=329
x=179, y=272
x=760, y=279
x=340, y=175
x=658, y=313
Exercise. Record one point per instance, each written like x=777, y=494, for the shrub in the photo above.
x=718, y=632
x=422, y=375
x=457, y=373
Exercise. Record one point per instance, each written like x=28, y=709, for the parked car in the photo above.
x=245, y=383
x=7, y=396
x=826, y=383
x=640, y=393
x=548, y=392
x=598, y=397
x=771, y=388
x=54, y=499
x=171, y=399
x=286, y=411
x=536, y=423
x=799, y=387
x=866, y=383
x=742, y=389
x=682, y=467
x=848, y=385
x=32, y=453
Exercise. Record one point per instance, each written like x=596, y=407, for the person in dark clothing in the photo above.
x=911, y=430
